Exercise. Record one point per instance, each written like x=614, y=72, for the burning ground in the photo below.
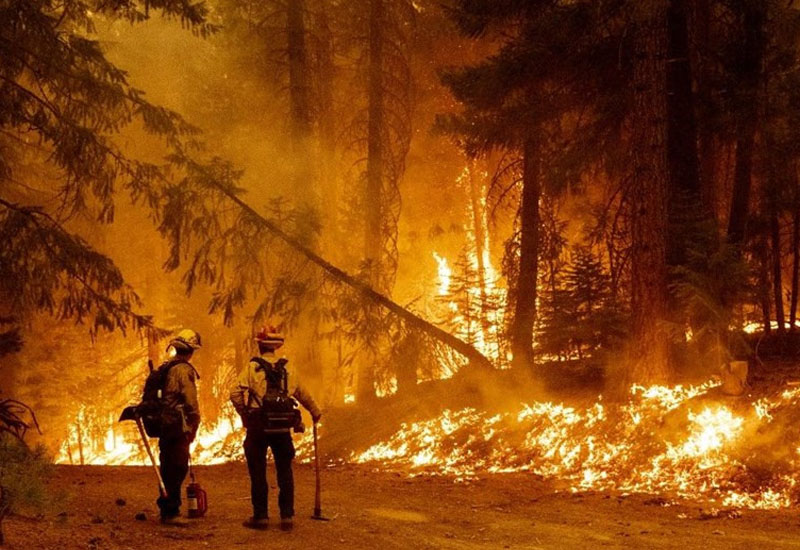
x=685, y=442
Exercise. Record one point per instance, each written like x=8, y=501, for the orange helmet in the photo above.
x=270, y=336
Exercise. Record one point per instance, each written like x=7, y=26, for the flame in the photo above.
x=445, y=273
x=600, y=447
x=674, y=441
x=216, y=443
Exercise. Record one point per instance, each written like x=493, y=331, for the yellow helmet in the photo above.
x=186, y=340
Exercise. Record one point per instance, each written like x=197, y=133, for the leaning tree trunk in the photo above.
x=752, y=52
x=363, y=289
x=525, y=287
x=649, y=296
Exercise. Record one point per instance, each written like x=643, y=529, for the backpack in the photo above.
x=159, y=420
x=278, y=411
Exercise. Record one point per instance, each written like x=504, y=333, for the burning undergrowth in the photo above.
x=680, y=441
x=216, y=443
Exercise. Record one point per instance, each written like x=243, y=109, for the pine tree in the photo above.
x=62, y=104
x=581, y=318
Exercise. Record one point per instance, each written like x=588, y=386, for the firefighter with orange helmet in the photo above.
x=265, y=397
x=182, y=417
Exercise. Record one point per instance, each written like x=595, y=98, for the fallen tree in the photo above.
x=413, y=320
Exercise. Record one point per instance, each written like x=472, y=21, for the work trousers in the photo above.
x=255, y=451
x=174, y=457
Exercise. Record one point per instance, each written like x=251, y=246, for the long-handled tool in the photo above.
x=317, y=496
x=130, y=413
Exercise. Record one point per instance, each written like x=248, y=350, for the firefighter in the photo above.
x=261, y=386
x=183, y=418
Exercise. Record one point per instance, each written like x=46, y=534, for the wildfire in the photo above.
x=218, y=443
x=445, y=273
x=702, y=455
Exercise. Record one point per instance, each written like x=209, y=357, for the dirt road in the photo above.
x=386, y=511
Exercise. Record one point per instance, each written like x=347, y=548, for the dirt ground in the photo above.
x=370, y=509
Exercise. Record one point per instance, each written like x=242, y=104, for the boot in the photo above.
x=175, y=521
x=286, y=524
x=260, y=524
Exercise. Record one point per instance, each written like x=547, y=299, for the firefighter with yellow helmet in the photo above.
x=264, y=396
x=181, y=420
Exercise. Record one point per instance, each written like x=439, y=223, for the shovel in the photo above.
x=317, y=499
x=130, y=413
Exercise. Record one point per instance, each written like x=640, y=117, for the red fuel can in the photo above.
x=196, y=500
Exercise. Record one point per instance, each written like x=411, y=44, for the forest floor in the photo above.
x=371, y=509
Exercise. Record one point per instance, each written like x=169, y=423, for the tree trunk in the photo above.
x=373, y=200
x=325, y=116
x=479, y=229
x=374, y=189
x=777, y=279
x=795, y=264
x=649, y=199
x=750, y=66
x=300, y=113
x=763, y=282
x=686, y=209
x=407, y=364
x=527, y=278
x=681, y=118
x=305, y=175
x=79, y=434
x=702, y=60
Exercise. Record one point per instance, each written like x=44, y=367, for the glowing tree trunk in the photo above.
x=762, y=255
x=795, y=269
x=777, y=278
x=648, y=202
x=324, y=70
x=525, y=288
x=373, y=203
x=795, y=248
x=298, y=73
x=305, y=174
x=479, y=230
